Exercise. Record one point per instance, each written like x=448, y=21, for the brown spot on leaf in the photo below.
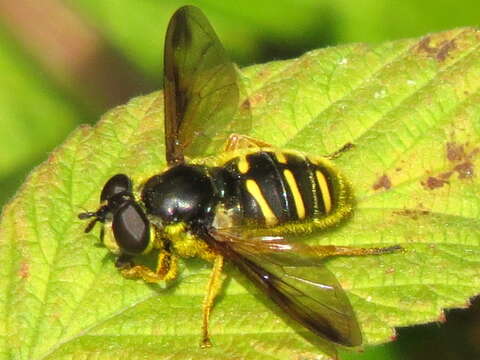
x=433, y=183
x=246, y=105
x=382, y=182
x=473, y=153
x=455, y=152
x=252, y=101
x=424, y=45
x=412, y=213
x=445, y=48
x=264, y=73
x=24, y=271
x=445, y=175
x=460, y=158
x=464, y=170
x=439, y=51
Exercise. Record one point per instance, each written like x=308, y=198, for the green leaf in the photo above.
x=410, y=107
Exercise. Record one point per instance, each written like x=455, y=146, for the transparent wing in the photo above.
x=294, y=277
x=201, y=89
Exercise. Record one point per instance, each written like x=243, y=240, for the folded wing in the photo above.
x=201, y=88
x=297, y=281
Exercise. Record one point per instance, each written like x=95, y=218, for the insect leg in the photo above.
x=238, y=141
x=167, y=269
x=141, y=272
x=167, y=265
x=340, y=151
x=332, y=250
x=213, y=287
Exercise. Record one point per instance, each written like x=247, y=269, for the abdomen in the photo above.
x=275, y=188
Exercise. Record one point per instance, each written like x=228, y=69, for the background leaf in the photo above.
x=411, y=109
x=27, y=102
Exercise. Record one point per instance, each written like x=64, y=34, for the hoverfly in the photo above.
x=243, y=202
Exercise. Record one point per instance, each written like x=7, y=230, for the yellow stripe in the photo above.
x=243, y=165
x=313, y=160
x=297, y=198
x=281, y=158
x=322, y=182
x=254, y=190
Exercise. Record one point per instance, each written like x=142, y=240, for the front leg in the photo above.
x=167, y=268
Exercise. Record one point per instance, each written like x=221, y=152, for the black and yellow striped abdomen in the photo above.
x=275, y=188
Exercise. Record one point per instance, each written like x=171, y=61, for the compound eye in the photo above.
x=131, y=228
x=117, y=184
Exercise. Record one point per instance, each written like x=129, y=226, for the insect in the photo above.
x=243, y=202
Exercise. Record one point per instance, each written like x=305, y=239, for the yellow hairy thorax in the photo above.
x=186, y=244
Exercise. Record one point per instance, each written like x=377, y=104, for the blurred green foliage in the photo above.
x=37, y=110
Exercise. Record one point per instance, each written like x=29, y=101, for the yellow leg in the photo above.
x=213, y=287
x=167, y=265
x=332, y=250
x=238, y=141
x=167, y=269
